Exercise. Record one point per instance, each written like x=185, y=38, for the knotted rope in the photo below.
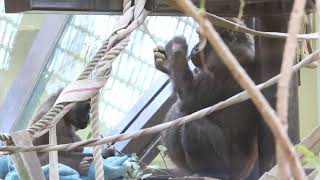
x=131, y=19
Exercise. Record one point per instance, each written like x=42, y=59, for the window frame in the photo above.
x=157, y=7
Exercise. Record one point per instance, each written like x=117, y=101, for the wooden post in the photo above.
x=27, y=163
x=53, y=155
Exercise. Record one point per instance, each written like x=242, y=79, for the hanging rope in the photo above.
x=60, y=108
x=131, y=19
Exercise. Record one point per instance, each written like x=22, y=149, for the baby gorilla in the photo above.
x=77, y=118
x=223, y=144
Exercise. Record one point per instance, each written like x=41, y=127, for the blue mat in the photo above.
x=114, y=168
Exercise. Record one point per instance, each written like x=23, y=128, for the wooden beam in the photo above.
x=27, y=163
x=53, y=155
x=158, y=7
x=17, y=6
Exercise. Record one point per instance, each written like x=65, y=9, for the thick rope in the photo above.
x=56, y=109
x=95, y=130
x=103, y=69
x=93, y=63
x=6, y=138
x=43, y=122
x=159, y=128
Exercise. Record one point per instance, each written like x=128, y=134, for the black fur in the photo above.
x=223, y=144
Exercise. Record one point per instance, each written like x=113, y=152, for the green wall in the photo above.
x=309, y=94
x=27, y=30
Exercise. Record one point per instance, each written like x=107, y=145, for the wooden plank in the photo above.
x=27, y=163
x=53, y=155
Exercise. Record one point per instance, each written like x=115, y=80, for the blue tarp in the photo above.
x=114, y=167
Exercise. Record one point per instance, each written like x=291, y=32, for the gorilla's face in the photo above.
x=241, y=45
x=79, y=115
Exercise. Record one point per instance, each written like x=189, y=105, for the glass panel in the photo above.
x=133, y=72
x=8, y=65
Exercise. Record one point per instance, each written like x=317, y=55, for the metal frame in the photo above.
x=30, y=70
x=157, y=7
x=148, y=111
